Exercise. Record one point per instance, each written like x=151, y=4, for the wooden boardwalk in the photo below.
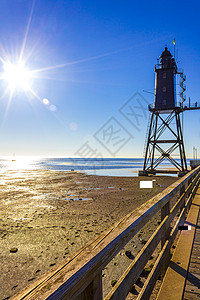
x=80, y=275
x=182, y=278
x=192, y=288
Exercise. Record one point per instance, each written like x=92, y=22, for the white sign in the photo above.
x=146, y=184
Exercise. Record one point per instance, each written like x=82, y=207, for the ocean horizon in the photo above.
x=91, y=166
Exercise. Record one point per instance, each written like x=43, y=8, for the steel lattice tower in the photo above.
x=164, y=113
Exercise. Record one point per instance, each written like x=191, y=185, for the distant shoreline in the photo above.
x=103, y=167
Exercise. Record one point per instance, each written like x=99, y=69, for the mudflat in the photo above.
x=45, y=216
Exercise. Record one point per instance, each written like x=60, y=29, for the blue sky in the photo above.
x=106, y=52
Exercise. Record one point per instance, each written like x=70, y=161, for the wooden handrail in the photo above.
x=79, y=276
x=130, y=276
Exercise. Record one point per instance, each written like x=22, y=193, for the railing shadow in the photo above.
x=189, y=276
x=193, y=225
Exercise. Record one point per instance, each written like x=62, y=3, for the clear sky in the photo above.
x=105, y=52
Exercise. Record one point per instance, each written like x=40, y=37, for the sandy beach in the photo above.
x=45, y=216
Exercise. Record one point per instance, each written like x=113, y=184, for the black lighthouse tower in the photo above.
x=164, y=131
x=165, y=82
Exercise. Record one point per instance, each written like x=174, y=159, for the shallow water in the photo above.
x=92, y=166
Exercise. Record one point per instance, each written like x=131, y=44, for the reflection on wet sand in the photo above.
x=40, y=221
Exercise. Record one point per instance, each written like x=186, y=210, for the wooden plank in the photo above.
x=195, y=252
x=174, y=281
x=197, y=238
x=195, y=260
x=165, y=210
x=97, y=287
x=125, y=283
x=197, y=243
x=150, y=281
x=193, y=277
x=194, y=268
x=182, y=190
x=93, y=291
x=122, y=287
x=155, y=272
x=193, y=288
x=194, y=265
x=191, y=296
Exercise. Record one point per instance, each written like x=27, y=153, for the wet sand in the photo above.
x=48, y=215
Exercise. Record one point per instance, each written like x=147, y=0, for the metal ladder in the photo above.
x=147, y=134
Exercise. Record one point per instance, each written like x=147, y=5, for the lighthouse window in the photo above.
x=164, y=89
x=164, y=102
x=164, y=75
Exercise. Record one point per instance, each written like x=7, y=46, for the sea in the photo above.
x=91, y=166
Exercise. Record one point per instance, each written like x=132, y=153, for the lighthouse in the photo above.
x=164, y=132
x=165, y=81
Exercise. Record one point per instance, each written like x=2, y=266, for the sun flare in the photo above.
x=16, y=76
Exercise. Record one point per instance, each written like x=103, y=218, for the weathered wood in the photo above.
x=97, y=287
x=165, y=210
x=158, y=267
x=123, y=281
x=192, y=190
x=174, y=281
x=93, y=291
x=191, y=295
x=193, y=279
x=182, y=191
x=73, y=276
x=193, y=288
x=87, y=294
x=130, y=276
x=154, y=274
x=150, y=282
x=172, y=214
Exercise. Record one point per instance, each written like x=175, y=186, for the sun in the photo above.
x=16, y=76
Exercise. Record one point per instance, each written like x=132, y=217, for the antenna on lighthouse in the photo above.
x=174, y=48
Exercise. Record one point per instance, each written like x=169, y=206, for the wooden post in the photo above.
x=182, y=191
x=189, y=183
x=165, y=210
x=93, y=291
x=97, y=287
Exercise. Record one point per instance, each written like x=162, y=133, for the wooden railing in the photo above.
x=80, y=276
